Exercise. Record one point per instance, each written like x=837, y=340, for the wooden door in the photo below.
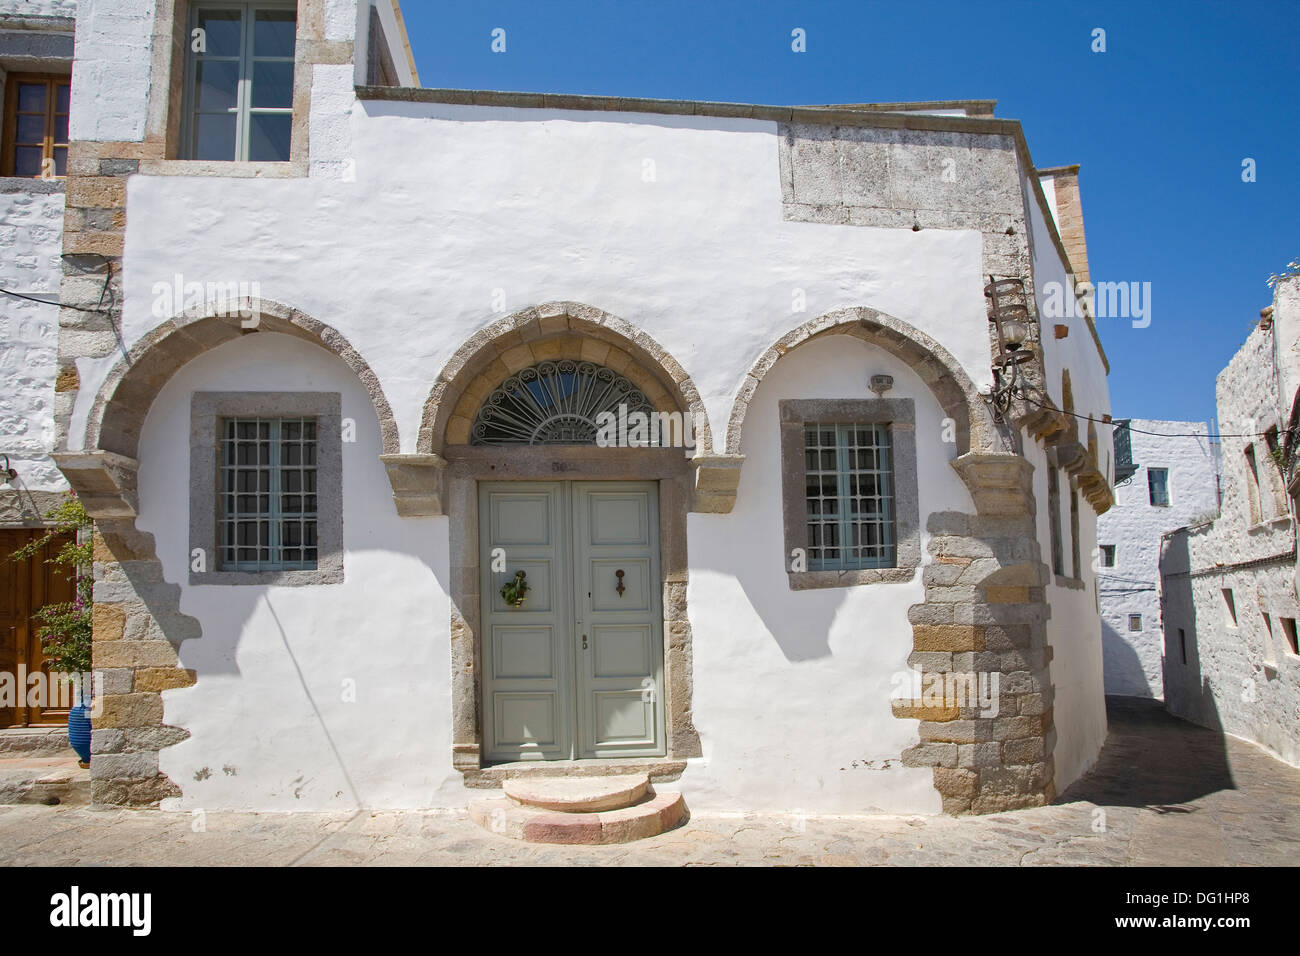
x=25, y=587
x=577, y=669
x=527, y=650
x=619, y=622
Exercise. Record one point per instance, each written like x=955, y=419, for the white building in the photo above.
x=1165, y=478
x=435, y=294
x=1229, y=589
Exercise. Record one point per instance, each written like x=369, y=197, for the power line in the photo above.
x=28, y=298
x=1141, y=431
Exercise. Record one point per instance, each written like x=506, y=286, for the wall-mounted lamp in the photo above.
x=1009, y=315
x=7, y=473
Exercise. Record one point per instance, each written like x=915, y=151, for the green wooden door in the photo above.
x=620, y=626
x=576, y=670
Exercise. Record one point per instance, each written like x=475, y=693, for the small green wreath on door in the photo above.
x=513, y=591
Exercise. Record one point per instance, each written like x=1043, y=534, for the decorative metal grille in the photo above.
x=850, y=496
x=554, y=403
x=1124, y=465
x=268, y=494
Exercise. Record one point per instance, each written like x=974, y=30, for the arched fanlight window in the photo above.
x=554, y=403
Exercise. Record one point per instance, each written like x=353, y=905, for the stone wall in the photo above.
x=31, y=237
x=1241, y=673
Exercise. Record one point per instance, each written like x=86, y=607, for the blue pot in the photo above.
x=79, y=730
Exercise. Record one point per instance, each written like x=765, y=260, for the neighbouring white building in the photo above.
x=1229, y=588
x=346, y=397
x=1165, y=478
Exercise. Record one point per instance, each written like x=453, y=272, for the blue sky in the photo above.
x=1160, y=122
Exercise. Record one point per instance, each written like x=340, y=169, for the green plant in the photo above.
x=65, y=628
x=513, y=591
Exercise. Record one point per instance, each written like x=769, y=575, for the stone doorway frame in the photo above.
x=466, y=467
x=443, y=476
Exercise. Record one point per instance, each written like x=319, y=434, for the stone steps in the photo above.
x=579, y=810
x=52, y=781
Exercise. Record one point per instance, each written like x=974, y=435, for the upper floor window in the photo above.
x=36, y=126
x=239, y=81
x=1158, y=486
x=1107, y=555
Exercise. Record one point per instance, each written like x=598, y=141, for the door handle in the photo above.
x=584, y=642
x=620, y=589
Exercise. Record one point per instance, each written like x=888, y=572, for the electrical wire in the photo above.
x=1141, y=431
x=28, y=298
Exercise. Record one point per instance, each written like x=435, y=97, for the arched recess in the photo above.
x=133, y=598
x=943, y=374
x=123, y=400
x=550, y=331
x=554, y=331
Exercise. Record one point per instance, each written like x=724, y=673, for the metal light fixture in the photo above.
x=7, y=474
x=1009, y=316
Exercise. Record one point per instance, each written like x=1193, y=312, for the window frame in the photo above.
x=207, y=411
x=1135, y=618
x=1113, y=551
x=1168, y=497
x=275, y=516
x=8, y=141
x=898, y=415
x=244, y=109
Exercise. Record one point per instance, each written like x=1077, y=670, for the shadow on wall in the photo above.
x=1152, y=757
x=1188, y=694
x=1122, y=670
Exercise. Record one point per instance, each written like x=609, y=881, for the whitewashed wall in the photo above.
x=31, y=239
x=271, y=726
x=443, y=216
x=1240, y=675
x=38, y=8
x=792, y=689
x=1133, y=659
x=114, y=54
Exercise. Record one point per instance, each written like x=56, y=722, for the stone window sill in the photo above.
x=810, y=580
x=226, y=169
x=1074, y=584
x=284, y=579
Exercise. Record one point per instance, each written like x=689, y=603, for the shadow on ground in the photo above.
x=1153, y=759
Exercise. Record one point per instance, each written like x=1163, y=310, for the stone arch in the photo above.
x=547, y=331
x=940, y=371
x=123, y=401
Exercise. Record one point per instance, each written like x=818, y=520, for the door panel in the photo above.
x=528, y=656
x=25, y=587
x=620, y=674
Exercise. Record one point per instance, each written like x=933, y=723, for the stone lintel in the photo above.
x=417, y=480
x=104, y=481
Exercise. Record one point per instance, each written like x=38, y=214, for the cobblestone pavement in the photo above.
x=1167, y=792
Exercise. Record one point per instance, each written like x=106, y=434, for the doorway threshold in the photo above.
x=660, y=770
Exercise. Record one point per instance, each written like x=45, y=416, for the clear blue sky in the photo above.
x=1160, y=122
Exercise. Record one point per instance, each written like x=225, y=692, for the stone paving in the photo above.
x=1164, y=793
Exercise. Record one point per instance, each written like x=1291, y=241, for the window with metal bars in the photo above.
x=268, y=494
x=239, y=81
x=849, y=496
